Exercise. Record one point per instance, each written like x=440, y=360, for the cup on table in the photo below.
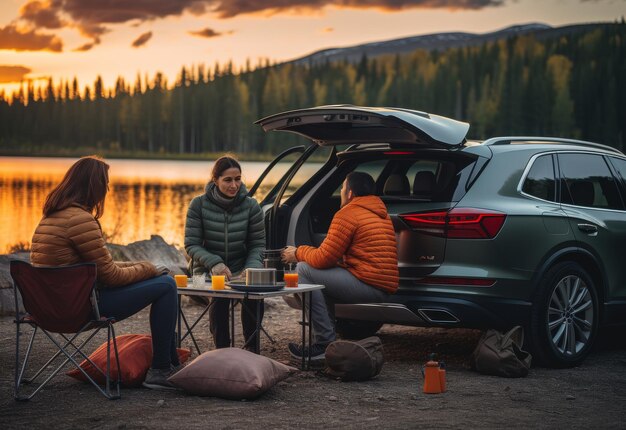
x=291, y=278
x=198, y=281
x=217, y=282
x=181, y=280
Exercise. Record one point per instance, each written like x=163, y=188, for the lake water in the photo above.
x=146, y=196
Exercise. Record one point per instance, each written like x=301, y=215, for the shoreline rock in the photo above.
x=155, y=250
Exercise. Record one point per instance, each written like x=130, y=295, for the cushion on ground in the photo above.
x=135, y=352
x=230, y=373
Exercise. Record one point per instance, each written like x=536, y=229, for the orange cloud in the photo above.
x=85, y=47
x=13, y=73
x=208, y=33
x=90, y=13
x=41, y=14
x=231, y=8
x=142, y=40
x=92, y=17
x=14, y=39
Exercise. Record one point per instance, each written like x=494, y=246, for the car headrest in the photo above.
x=423, y=183
x=396, y=185
x=582, y=193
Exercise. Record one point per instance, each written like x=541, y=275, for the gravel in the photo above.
x=589, y=396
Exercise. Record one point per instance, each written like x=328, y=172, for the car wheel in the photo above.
x=354, y=329
x=565, y=315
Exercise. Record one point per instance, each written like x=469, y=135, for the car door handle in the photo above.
x=588, y=228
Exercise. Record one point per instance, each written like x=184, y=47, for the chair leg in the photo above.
x=62, y=349
x=109, y=395
x=70, y=357
x=19, y=371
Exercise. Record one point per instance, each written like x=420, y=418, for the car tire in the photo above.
x=564, y=317
x=354, y=329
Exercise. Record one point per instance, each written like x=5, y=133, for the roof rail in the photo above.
x=507, y=140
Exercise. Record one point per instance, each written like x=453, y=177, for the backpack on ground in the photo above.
x=355, y=361
x=501, y=354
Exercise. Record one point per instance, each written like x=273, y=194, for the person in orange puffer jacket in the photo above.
x=357, y=262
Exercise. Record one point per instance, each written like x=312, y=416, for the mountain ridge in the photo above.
x=436, y=41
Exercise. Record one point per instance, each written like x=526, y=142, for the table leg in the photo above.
x=308, y=366
x=190, y=328
x=180, y=310
x=232, y=304
x=257, y=347
x=302, y=364
x=182, y=319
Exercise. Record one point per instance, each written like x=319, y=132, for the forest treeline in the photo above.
x=570, y=86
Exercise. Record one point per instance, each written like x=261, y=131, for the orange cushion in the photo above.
x=135, y=352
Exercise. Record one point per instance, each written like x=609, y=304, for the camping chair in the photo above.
x=60, y=301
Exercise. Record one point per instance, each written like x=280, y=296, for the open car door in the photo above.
x=266, y=187
x=282, y=180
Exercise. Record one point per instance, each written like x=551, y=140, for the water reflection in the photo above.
x=146, y=196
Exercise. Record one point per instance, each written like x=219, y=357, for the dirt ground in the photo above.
x=590, y=396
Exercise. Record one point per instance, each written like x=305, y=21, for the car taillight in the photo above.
x=458, y=223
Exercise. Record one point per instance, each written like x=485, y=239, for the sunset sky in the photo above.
x=63, y=39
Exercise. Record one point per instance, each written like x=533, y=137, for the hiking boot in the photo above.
x=156, y=379
x=318, y=351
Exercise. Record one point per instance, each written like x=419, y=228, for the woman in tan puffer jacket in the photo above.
x=69, y=233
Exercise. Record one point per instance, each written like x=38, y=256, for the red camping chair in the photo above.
x=60, y=301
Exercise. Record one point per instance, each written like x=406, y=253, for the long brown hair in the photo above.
x=222, y=164
x=86, y=183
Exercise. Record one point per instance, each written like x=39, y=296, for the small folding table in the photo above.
x=304, y=290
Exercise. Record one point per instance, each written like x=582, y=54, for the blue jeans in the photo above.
x=160, y=292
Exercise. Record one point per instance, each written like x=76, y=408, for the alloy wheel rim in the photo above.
x=570, y=315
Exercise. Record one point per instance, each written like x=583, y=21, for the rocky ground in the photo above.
x=589, y=396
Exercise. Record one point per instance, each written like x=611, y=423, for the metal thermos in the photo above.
x=272, y=260
x=261, y=276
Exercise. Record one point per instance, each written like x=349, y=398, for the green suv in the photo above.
x=494, y=233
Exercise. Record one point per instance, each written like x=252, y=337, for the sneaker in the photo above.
x=156, y=379
x=318, y=351
x=175, y=369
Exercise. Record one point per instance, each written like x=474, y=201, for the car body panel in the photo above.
x=610, y=235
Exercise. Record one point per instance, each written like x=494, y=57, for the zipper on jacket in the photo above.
x=226, y=238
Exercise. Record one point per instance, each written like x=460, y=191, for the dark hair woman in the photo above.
x=70, y=233
x=225, y=234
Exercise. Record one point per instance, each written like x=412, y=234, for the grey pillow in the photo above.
x=230, y=373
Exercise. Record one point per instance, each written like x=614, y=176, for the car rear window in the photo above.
x=540, y=180
x=422, y=179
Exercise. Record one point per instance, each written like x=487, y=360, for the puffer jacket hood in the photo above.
x=372, y=203
x=240, y=197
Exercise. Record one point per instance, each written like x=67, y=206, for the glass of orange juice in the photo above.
x=181, y=280
x=291, y=278
x=218, y=282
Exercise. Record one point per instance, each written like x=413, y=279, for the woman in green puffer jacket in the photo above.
x=224, y=235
